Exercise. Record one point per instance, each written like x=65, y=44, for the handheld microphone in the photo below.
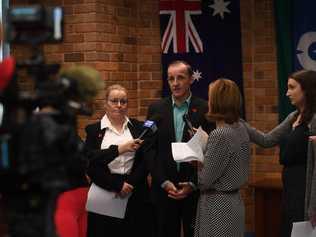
x=7, y=68
x=188, y=123
x=149, y=125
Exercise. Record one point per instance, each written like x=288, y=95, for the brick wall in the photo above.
x=121, y=39
x=260, y=87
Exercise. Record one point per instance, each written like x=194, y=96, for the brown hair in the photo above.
x=177, y=62
x=307, y=81
x=224, y=101
x=114, y=87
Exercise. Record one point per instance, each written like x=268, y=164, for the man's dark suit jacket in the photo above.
x=164, y=167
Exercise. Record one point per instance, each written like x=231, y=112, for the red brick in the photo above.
x=84, y=8
x=149, y=67
x=107, y=66
x=73, y=38
x=150, y=84
x=73, y=57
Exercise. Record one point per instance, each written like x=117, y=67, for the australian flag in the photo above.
x=207, y=35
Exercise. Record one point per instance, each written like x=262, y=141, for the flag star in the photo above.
x=197, y=75
x=220, y=7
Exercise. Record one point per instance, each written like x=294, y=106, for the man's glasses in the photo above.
x=118, y=101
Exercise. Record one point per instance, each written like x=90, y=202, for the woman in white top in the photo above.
x=117, y=164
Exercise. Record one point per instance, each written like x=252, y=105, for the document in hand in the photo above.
x=192, y=150
x=106, y=203
x=303, y=229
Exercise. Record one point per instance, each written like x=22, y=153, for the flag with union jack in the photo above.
x=207, y=35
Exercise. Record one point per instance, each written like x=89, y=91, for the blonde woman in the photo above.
x=117, y=165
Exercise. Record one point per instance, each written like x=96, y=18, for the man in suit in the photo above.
x=174, y=184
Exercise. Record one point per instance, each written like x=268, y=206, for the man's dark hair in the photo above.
x=177, y=62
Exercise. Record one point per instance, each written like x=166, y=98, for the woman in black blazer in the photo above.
x=117, y=164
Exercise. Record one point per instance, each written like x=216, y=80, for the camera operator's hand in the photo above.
x=130, y=146
x=126, y=189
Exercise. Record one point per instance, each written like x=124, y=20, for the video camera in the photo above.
x=37, y=150
x=34, y=25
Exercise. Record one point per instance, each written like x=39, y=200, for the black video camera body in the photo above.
x=37, y=153
x=34, y=25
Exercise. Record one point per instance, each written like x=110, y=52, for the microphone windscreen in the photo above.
x=88, y=81
x=7, y=68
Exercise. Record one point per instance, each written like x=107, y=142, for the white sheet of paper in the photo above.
x=103, y=202
x=199, y=139
x=191, y=150
x=183, y=153
x=303, y=229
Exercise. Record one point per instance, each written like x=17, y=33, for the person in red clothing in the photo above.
x=71, y=214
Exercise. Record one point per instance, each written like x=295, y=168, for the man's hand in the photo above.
x=170, y=188
x=312, y=138
x=126, y=189
x=183, y=192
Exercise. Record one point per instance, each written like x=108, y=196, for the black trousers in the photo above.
x=138, y=222
x=294, y=180
x=102, y=226
x=172, y=214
